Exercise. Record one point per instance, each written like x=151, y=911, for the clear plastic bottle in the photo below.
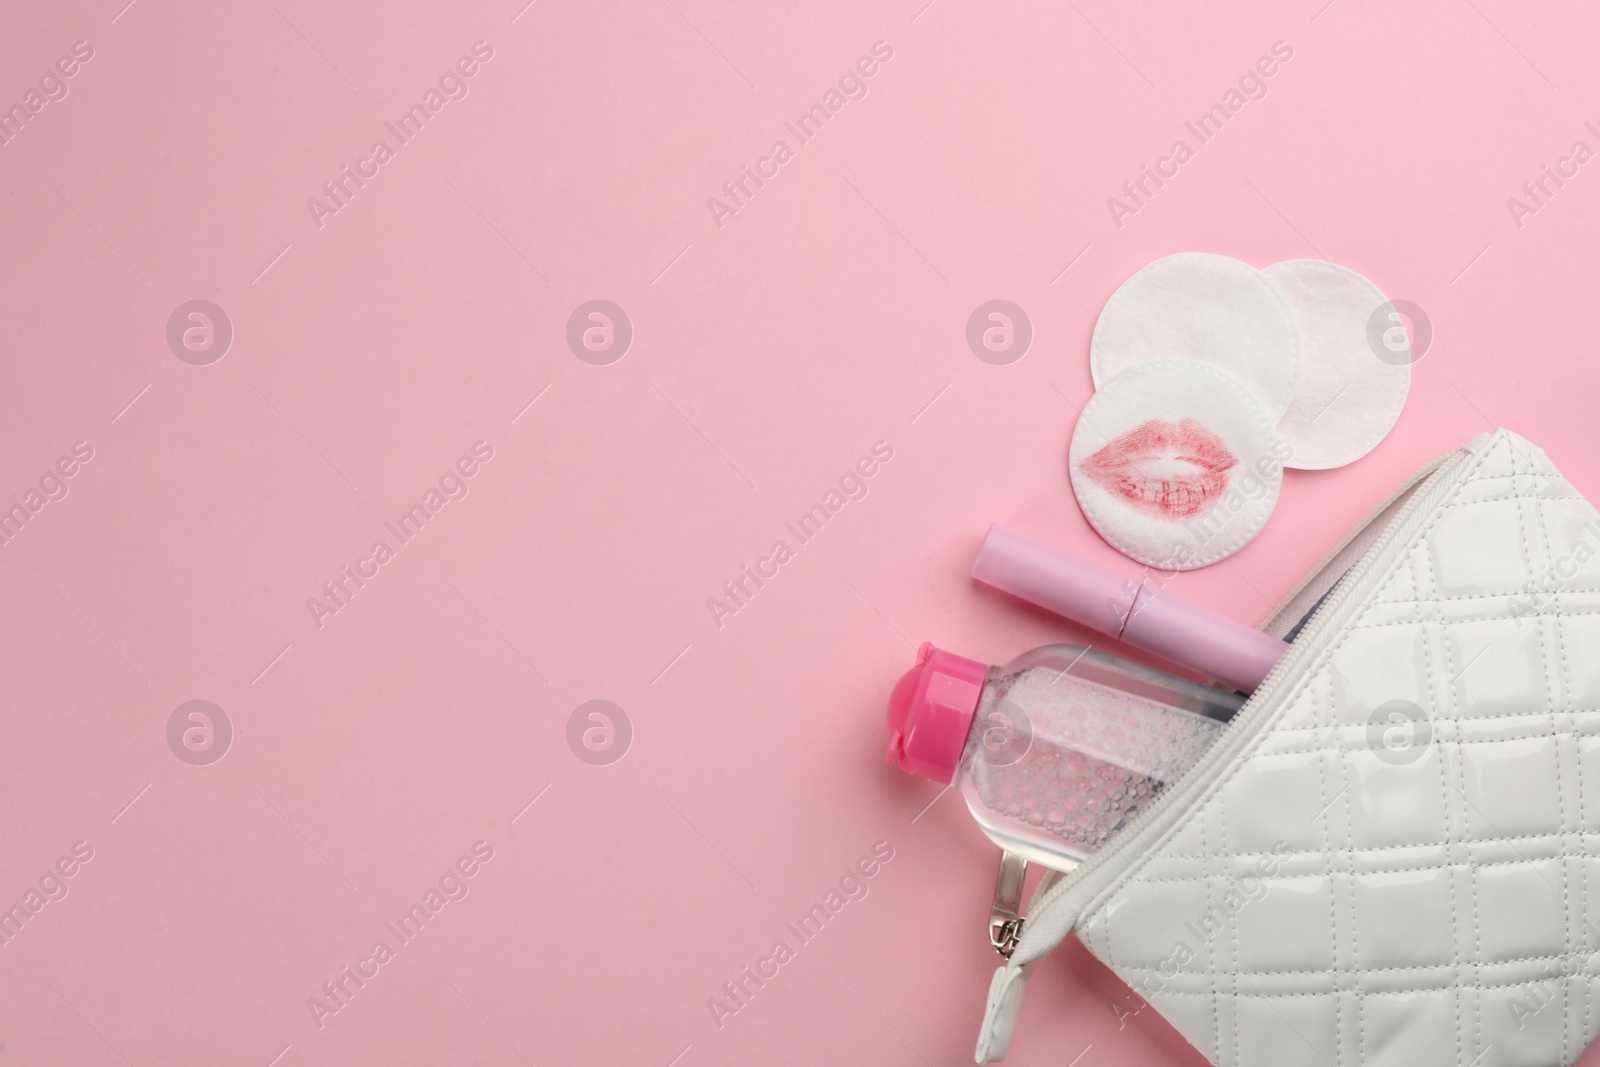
x=1057, y=750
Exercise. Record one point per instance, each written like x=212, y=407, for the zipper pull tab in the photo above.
x=1005, y=914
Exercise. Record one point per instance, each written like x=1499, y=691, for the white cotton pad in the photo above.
x=1203, y=307
x=1349, y=395
x=1176, y=464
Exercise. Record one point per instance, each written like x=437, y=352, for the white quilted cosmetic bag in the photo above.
x=1391, y=855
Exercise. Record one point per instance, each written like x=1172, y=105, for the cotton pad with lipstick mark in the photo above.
x=1348, y=396
x=1212, y=309
x=1175, y=463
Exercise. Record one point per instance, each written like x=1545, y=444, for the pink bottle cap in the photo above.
x=931, y=710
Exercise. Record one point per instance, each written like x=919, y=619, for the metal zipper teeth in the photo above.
x=1084, y=881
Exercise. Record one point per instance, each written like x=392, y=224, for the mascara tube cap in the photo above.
x=1103, y=600
x=1057, y=581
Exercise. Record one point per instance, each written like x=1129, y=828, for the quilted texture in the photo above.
x=1425, y=891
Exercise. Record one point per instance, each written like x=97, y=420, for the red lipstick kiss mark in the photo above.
x=1170, y=470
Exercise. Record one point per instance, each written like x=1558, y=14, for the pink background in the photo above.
x=768, y=354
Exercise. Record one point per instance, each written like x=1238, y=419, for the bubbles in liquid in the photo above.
x=1094, y=758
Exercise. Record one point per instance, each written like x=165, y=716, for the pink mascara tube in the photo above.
x=1127, y=609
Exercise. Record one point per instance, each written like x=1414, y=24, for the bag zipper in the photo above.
x=1294, y=611
x=1097, y=873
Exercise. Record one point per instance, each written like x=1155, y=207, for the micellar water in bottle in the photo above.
x=1057, y=750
